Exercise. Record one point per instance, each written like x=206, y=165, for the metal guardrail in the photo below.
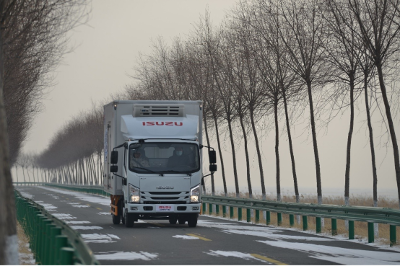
x=52, y=241
x=370, y=215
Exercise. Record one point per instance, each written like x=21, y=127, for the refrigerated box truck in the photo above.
x=153, y=160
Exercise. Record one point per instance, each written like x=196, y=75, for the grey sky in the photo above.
x=106, y=50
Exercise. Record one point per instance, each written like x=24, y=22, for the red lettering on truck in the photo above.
x=178, y=124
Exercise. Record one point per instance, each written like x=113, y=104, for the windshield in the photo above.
x=164, y=157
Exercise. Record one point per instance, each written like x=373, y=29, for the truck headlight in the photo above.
x=133, y=193
x=195, y=194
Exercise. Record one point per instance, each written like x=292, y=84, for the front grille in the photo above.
x=164, y=193
x=164, y=202
x=164, y=198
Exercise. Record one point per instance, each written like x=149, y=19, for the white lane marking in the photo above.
x=340, y=255
x=185, y=237
x=104, y=213
x=235, y=254
x=125, y=255
x=99, y=238
x=85, y=227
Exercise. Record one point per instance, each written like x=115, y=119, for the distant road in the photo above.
x=214, y=241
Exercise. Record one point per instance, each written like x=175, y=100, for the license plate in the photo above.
x=164, y=208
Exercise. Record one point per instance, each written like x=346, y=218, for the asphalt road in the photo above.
x=214, y=241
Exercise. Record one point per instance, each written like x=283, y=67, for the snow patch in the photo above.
x=185, y=237
x=99, y=238
x=80, y=206
x=77, y=222
x=64, y=216
x=26, y=195
x=275, y=236
x=11, y=251
x=340, y=255
x=48, y=207
x=84, y=227
x=126, y=256
x=81, y=196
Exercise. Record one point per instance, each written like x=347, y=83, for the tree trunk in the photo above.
x=233, y=158
x=391, y=128
x=277, y=161
x=246, y=155
x=220, y=155
x=348, y=149
x=8, y=229
x=296, y=188
x=315, y=145
x=208, y=144
x=253, y=126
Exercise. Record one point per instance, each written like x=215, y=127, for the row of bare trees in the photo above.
x=32, y=40
x=271, y=60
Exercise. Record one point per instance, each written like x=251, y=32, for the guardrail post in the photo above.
x=61, y=242
x=334, y=226
x=248, y=215
x=318, y=225
x=223, y=211
x=231, y=212
x=392, y=235
x=55, y=231
x=291, y=220
x=279, y=218
x=257, y=216
x=67, y=256
x=239, y=213
x=371, y=233
x=268, y=220
x=210, y=208
x=217, y=209
x=204, y=207
x=48, y=242
x=305, y=223
x=351, y=229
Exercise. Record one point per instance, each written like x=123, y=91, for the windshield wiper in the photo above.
x=148, y=170
x=177, y=172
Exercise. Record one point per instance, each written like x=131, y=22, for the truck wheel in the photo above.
x=181, y=220
x=129, y=220
x=192, y=222
x=116, y=219
x=173, y=219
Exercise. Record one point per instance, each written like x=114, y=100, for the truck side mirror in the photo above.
x=114, y=157
x=213, y=168
x=114, y=168
x=212, y=156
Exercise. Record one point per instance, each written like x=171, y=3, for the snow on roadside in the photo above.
x=81, y=196
x=125, y=255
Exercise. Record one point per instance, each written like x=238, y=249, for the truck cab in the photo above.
x=153, y=160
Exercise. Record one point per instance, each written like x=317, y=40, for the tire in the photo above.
x=181, y=221
x=116, y=219
x=129, y=220
x=192, y=222
x=173, y=219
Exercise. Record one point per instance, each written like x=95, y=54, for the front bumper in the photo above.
x=163, y=208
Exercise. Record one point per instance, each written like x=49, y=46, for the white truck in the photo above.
x=153, y=160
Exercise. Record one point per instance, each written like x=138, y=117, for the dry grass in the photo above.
x=25, y=254
x=360, y=228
